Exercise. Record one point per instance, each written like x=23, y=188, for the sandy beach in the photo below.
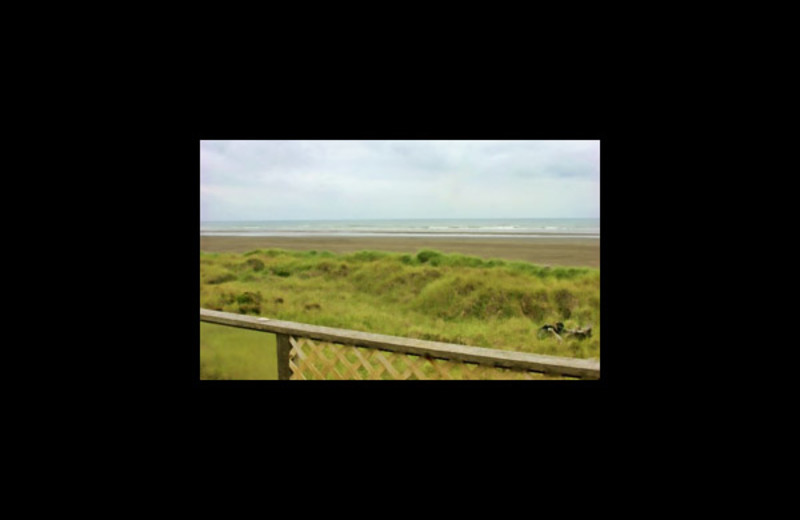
x=543, y=251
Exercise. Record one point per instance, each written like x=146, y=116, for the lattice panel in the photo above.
x=317, y=360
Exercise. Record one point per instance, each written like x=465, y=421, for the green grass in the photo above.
x=230, y=353
x=431, y=295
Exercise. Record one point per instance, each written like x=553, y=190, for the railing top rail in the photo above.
x=583, y=368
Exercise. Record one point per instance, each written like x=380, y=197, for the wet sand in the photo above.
x=543, y=251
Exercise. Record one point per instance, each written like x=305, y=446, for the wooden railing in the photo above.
x=314, y=352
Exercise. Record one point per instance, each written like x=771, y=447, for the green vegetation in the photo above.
x=431, y=295
x=230, y=353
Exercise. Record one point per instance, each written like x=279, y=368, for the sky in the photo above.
x=323, y=180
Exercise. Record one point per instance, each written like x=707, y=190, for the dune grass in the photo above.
x=441, y=297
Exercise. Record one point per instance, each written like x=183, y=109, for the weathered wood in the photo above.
x=284, y=347
x=583, y=368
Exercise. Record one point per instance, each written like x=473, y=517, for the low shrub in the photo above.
x=255, y=264
x=367, y=256
x=429, y=255
x=456, y=260
x=249, y=302
x=215, y=275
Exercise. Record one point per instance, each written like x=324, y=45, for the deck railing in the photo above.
x=313, y=352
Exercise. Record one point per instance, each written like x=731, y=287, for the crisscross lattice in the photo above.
x=317, y=360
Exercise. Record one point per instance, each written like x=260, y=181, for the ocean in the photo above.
x=520, y=228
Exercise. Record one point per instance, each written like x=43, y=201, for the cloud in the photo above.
x=398, y=179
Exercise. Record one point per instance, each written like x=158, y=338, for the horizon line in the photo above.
x=394, y=218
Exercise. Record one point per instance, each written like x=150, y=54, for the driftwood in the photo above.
x=552, y=329
x=579, y=333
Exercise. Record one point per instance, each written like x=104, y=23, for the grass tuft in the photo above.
x=255, y=264
x=429, y=255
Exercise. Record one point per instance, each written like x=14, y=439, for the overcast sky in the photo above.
x=306, y=180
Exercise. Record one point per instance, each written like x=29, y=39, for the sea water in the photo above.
x=520, y=228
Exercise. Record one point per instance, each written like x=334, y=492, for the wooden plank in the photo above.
x=583, y=368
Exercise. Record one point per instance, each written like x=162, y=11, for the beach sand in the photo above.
x=542, y=251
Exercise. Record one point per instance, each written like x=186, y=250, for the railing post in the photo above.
x=284, y=347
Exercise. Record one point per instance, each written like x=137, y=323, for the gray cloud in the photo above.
x=398, y=179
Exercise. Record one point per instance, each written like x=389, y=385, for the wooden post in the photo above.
x=284, y=347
